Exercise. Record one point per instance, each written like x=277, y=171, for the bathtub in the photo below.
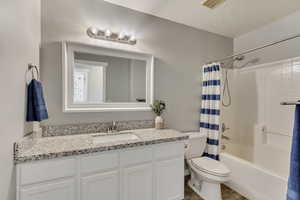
x=253, y=182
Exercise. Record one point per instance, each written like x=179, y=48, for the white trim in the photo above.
x=94, y=63
x=64, y=76
x=68, y=49
x=109, y=109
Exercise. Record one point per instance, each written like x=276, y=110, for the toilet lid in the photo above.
x=210, y=166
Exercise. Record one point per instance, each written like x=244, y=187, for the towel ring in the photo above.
x=35, y=74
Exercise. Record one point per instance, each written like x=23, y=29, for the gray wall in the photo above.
x=180, y=51
x=277, y=30
x=19, y=39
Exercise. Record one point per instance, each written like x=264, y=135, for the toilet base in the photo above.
x=207, y=190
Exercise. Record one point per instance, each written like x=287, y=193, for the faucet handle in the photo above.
x=224, y=128
x=225, y=137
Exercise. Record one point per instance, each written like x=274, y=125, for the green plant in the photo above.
x=158, y=107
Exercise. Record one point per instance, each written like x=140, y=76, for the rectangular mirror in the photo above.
x=102, y=79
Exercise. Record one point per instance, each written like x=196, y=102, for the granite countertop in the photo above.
x=29, y=149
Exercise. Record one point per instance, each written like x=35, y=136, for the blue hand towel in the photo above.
x=36, y=107
x=294, y=179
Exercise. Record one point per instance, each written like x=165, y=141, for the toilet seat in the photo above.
x=210, y=166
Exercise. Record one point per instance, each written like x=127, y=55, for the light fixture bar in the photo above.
x=111, y=36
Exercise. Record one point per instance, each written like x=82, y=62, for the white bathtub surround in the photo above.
x=263, y=135
x=206, y=173
x=253, y=182
x=270, y=151
x=210, y=108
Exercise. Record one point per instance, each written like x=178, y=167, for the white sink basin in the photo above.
x=114, y=138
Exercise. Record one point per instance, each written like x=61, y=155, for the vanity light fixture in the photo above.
x=111, y=36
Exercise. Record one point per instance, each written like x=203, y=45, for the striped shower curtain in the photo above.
x=210, y=108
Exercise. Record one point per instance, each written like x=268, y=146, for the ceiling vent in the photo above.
x=212, y=3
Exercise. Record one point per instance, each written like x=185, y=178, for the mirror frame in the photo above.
x=68, y=49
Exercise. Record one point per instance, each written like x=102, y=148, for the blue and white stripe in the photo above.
x=210, y=108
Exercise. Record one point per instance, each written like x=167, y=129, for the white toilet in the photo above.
x=206, y=174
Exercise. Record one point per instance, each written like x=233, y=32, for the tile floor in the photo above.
x=227, y=194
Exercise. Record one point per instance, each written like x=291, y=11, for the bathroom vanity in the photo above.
x=149, y=166
x=137, y=164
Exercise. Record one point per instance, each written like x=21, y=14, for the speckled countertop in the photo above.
x=29, y=149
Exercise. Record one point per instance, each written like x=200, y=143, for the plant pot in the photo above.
x=159, y=122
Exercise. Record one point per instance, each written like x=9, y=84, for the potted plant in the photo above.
x=158, y=107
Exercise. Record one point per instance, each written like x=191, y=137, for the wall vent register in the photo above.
x=212, y=3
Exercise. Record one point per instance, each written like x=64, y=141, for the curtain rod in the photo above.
x=255, y=49
x=287, y=103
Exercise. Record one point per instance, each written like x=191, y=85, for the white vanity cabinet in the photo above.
x=152, y=172
x=49, y=180
x=169, y=171
x=137, y=174
x=99, y=176
x=100, y=186
x=49, y=191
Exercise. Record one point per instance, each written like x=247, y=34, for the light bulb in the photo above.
x=108, y=33
x=132, y=38
x=121, y=36
x=93, y=30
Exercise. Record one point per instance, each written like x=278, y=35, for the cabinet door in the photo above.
x=137, y=182
x=63, y=190
x=100, y=186
x=170, y=179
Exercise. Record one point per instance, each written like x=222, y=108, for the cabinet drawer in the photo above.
x=136, y=156
x=65, y=190
x=46, y=170
x=169, y=150
x=99, y=162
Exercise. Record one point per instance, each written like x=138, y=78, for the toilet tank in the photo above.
x=195, y=145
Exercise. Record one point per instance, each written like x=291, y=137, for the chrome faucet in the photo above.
x=113, y=127
x=224, y=128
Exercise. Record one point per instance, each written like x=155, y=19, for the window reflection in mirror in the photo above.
x=102, y=79
x=89, y=82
